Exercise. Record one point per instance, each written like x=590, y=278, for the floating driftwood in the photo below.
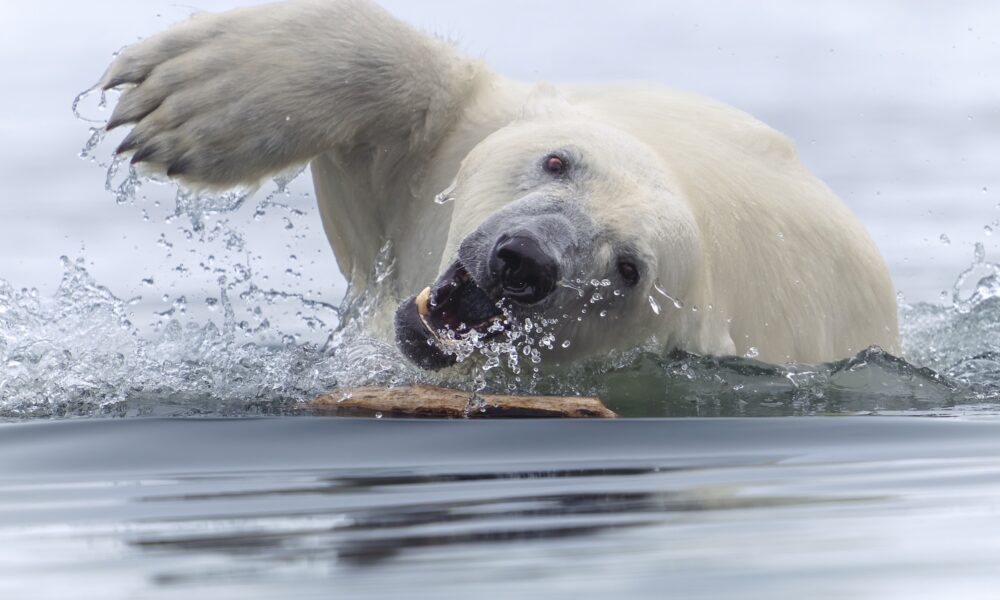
x=434, y=401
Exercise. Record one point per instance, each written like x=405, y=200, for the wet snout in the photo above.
x=509, y=265
x=526, y=272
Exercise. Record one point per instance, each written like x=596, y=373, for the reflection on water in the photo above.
x=366, y=536
x=354, y=508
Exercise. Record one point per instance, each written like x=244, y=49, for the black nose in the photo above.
x=525, y=272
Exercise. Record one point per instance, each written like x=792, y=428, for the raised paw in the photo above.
x=204, y=98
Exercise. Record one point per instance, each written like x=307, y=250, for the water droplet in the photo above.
x=659, y=289
x=752, y=352
x=446, y=194
x=987, y=230
x=378, y=415
x=945, y=239
x=980, y=254
x=653, y=305
x=573, y=286
x=565, y=344
x=385, y=262
x=603, y=313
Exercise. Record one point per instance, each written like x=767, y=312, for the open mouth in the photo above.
x=443, y=314
x=456, y=304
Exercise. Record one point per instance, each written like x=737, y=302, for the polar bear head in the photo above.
x=548, y=212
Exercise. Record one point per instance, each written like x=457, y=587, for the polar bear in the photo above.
x=692, y=223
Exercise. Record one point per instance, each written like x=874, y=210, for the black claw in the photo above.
x=129, y=143
x=113, y=83
x=178, y=168
x=120, y=80
x=144, y=153
x=112, y=123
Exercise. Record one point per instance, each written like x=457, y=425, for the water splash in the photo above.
x=575, y=285
x=653, y=304
x=988, y=286
x=508, y=354
x=446, y=195
x=678, y=304
x=80, y=352
x=81, y=105
x=961, y=341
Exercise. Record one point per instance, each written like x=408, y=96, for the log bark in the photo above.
x=440, y=402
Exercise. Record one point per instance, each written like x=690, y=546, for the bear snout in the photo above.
x=525, y=271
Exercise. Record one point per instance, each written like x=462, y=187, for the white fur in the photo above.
x=762, y=254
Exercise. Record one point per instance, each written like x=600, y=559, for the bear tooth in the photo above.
x=422, y=300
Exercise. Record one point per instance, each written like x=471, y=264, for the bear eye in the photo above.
x=629, y=272
x=554, y=165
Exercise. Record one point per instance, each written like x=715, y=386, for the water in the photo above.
x=156, y=347
x=851, y=507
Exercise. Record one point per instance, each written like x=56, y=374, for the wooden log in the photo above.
x=433, y=401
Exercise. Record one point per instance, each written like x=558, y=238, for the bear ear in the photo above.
x=544, y=100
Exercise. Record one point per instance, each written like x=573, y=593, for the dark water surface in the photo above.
x=825, y=507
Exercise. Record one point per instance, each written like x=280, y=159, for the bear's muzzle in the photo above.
x=440, y=315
